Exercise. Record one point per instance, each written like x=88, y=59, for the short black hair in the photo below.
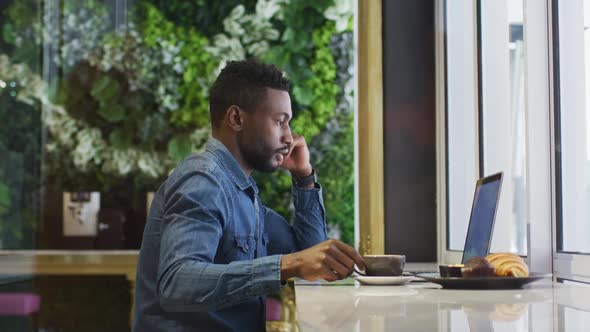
x=243, y=83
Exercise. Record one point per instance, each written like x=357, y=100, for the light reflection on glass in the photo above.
x=503, y=116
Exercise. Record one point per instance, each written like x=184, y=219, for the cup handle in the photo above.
x=358, y=271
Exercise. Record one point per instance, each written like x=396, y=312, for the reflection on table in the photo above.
x=65, y=303
x=350, y=306
x=75, y=288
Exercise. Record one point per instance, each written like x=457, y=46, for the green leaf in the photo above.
x=303, y=96
x=288, y=35
x=112, y=113
x=134, y=101
x=4, y=195
x=8, y=33
x=189, y=74
x=152, y=128
x=105, y=89
x=179, y=147
x=121, y=138
x=278, y=56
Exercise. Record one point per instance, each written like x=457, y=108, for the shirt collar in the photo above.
x=229, y=162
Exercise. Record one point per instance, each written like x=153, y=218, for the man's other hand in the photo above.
x=297, y=159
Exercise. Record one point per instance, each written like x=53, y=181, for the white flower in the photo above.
x=85, y=145
x=86, y=149
x=79, y=31
x=251, y=32
x=51, y=147
x=4, y=64
x=233, y=27
x=227, y=48
x=236, y=50
x=70, y=21
x=150, y=164
x=340, y=13
x=19, y=70
x=258, y=49
x=174, y=49
x=266, y=9
x=237, y=12
x=62, y=127
x=120, y=162
x=271, y=34
x=178, y=68
x=167, y=57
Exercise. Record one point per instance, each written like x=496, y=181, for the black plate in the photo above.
x=482, y=283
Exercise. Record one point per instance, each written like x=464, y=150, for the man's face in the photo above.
x=267, y=137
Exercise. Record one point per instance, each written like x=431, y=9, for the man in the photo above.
x=211, y=250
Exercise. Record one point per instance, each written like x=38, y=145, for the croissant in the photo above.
x=508, y=312
x=508, y=265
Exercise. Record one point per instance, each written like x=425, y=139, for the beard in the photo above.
x=257, y=154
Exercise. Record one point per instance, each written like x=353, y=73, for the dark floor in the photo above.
x=70, y=303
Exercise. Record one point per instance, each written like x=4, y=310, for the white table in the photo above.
x=349, y=306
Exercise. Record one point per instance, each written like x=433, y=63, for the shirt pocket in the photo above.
x=243, y=247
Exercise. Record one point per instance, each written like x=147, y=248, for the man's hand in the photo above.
x=297, y=159
x=330, y=260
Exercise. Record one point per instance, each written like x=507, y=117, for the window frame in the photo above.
x=498, y=146
x=445, y=254
x=537, y=129
x=566, y=265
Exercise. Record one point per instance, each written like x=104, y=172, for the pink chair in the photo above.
x=273, y=309
x=19, y=304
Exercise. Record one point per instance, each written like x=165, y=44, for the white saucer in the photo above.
x=380, y=281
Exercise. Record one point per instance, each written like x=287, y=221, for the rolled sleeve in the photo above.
x=309, y=222
x=266, y=275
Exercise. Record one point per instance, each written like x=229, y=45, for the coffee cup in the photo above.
x=383, y=265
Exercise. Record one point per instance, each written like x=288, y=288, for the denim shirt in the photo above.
x=211, y=250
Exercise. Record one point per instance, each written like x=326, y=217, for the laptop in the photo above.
x=481, y=223
x=483, y=214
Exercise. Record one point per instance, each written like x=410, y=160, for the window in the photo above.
x=572, y=125
x=497, y=102
x=461, y=122
x=502, y=116
x=573, y=318
x=485, y=116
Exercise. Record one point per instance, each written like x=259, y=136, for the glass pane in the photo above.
x=461, y=121
x=573, y=121
x=574, y=319
x=502, y=117
x=105, y=97
x=21, y=131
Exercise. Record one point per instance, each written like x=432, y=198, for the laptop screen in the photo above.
x=483, y=212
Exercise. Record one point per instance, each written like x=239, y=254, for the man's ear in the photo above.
x=235, y=118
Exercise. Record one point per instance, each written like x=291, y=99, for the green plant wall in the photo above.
x=124, y=103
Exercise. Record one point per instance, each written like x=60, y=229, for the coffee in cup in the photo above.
x=383, y=265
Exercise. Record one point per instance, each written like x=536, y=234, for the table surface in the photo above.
x=347, y=305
